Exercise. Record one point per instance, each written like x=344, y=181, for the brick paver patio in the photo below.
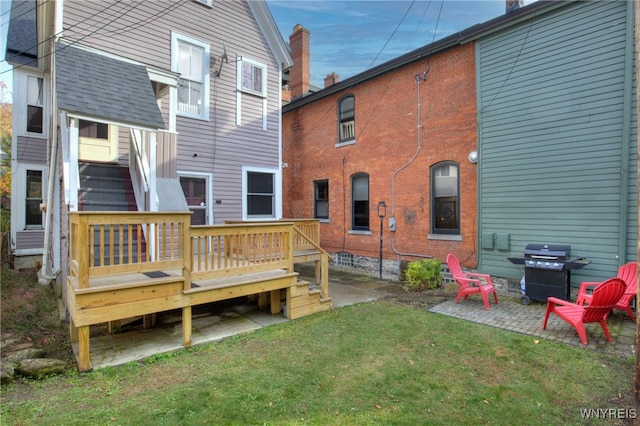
x=511, y=315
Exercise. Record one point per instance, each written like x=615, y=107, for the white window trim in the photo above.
x=205, y=2
x=208, y=177
x=19, y=195
x=241, y=90
x=277, y=182
x=175, y=38
x=20, y=104
x=256, y=64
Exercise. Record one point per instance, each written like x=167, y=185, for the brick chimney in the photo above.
x=511, y=5
x=331, y=79
x=300, y=72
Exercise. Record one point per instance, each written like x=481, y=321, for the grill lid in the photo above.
x=547, y=251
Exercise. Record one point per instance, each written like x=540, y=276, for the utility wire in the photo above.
x=53, y=36
x=392, y=34
x=513, y=66
x=138, y=24
x=16, y=6
x=152, y=18
x=413, y=37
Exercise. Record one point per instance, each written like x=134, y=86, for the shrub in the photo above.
x=423, y=274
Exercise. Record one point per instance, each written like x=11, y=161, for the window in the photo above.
x=91, y=129
x=321, y=202
x=445, y=210
x=260, y=194
x=347, y=111
x=252, y=77
x=33, y=214
x=35, y=106
x=360, y=202
x=190, y=58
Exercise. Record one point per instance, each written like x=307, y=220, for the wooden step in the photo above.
x=302, y=300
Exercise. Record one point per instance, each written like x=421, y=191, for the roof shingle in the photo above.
x=101, y=86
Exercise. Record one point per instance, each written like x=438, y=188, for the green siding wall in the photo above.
x=557, y=137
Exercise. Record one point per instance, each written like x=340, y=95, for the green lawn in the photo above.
x=373, y=363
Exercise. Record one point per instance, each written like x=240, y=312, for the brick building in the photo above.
x=480, y=143
x=402, y=133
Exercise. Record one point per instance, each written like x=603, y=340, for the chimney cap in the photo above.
x=299, y=27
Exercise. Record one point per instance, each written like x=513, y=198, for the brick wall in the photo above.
x=386, y=120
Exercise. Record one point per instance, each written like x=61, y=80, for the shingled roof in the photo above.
x=102, y=86
x=22, y=39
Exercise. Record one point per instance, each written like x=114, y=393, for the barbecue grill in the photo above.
x=547, y=271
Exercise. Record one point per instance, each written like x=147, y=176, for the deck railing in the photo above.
x=234, y=249
x=306, y=237
x=118, y=243
x=306, y=246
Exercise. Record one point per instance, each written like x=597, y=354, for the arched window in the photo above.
x=360, y=202
x=445, y=199
x=347, y=116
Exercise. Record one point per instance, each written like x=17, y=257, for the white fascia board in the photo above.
x=271, y=33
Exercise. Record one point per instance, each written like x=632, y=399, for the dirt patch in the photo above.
x=420, y=299
x=29, y=316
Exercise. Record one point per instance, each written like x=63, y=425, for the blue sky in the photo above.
x=4, y=18
x=348, y=37
x=351, y=36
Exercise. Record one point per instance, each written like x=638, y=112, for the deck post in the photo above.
x=84, y=355
x=318, y=265
x=81, y=242
x=262, y=300
x=276, y=302
x=186, y=326
x=324, y=286
x=73, y=332
x=186, y=247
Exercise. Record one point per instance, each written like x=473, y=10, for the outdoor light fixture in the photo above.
x=473, y=157
x=382, y=209
x=382, y=212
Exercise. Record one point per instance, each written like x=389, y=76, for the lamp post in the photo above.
x=382, y=212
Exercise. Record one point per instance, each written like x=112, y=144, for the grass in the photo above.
x=376, y=363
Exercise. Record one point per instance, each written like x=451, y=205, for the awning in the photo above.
x=92, y=84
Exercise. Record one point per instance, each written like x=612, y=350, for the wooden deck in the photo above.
x=127, y=265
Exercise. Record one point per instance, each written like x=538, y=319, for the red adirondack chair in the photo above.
x=604, y=297
x=629, y=274
x=471, y=283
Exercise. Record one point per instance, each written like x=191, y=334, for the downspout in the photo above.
x=626, y=136
x=45, y=275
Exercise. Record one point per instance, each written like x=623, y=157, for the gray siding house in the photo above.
x=149, y=106
x=557, y=136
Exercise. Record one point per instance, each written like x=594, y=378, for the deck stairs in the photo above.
x=305, y=299
x=107, y=187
